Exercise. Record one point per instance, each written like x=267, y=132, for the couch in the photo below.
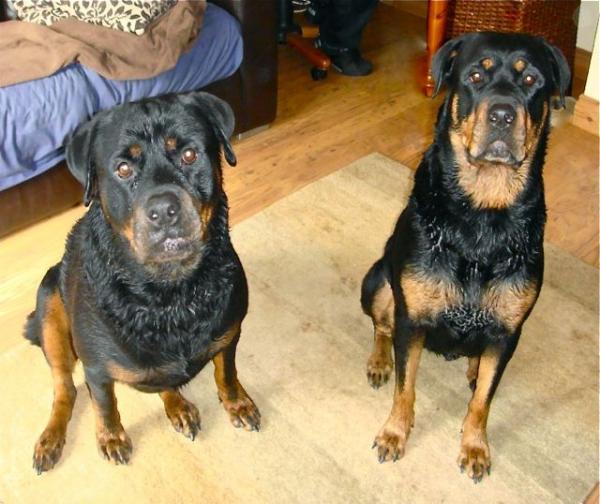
x=251, y=91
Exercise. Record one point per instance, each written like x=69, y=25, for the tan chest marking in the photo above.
x=427, y=296
x=509, y=302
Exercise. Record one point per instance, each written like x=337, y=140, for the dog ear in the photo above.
x=79, y=159
x=221, y=118
x=561, y=75
x=443, y=62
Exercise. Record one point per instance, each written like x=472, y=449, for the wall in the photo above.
x=588, y=23
x=592, y=86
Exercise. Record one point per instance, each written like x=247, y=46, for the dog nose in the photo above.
x=502, y=115
x=163, y=209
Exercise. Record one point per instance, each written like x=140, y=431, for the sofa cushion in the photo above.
x=40, y=114
x=130, y=16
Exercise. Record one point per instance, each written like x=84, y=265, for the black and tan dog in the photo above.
x=150, y=288
x=464, y=266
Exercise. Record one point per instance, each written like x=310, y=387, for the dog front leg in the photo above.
x=474, y=454
x=391, y=439
x=113, y=442
x=236, y=401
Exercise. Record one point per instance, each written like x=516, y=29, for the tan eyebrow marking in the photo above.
x=519, y=65
x=170, y=143
x=135, y=150
x=487, y=63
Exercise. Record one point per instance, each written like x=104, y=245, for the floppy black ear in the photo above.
x=221, y=118
x=79, y=159
x=443, y=61
x=561, y=74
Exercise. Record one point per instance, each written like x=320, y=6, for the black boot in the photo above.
x=345, y=60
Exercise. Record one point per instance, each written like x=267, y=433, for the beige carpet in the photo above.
x=302, y=357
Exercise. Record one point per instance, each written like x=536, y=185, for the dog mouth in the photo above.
x=498, y=152
x=173, y=249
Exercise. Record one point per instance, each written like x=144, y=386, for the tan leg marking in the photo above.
x=236, y=401
x=56, y=344
x=391, y=439
x=474, y=454
x=183, y=414
x=380, y=363
x=472, y=371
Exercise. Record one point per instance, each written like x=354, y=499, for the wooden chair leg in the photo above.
x=306, y=47
x=437, y=11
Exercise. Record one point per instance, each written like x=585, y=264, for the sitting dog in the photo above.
x=463, y=267
x=150, y=287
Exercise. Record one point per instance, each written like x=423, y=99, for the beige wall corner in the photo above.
x=586, y=110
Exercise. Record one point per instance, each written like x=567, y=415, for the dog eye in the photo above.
x=189, y=156
x=124, y=171
x=529, y=80
x=476, y=77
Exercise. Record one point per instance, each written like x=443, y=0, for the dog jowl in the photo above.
x=149, y=288
x=464, y=266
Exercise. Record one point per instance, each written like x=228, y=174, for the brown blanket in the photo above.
x=29, y=51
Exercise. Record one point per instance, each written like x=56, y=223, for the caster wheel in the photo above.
x=318, y=73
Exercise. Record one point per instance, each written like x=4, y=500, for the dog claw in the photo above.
x=115, y=446
x=383, y=455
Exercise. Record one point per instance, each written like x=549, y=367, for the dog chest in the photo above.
x=464, y=307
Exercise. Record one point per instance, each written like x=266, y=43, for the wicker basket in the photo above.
x=555, y=20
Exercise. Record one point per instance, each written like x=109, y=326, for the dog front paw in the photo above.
x=48, y=450
x=115, y=446
x=243, y=412
x=185, y=418
x=474, y=458
x=391, y=440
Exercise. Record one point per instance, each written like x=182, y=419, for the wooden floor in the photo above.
x=321, y=127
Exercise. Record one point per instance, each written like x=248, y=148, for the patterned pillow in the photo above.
x=131, y=16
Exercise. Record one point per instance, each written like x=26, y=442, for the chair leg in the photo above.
x=437, y=12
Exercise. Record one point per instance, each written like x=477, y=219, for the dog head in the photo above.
x=154, y=167
x=499, y=90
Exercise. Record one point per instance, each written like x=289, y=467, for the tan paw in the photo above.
x=185, y=418
x=475, y=458
x=115, y=446
x=379, y=369
x=391, y=440
x=48, y=450
x=243, y=412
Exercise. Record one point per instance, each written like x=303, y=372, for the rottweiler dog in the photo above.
x=149, y=288
x=463, y=268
